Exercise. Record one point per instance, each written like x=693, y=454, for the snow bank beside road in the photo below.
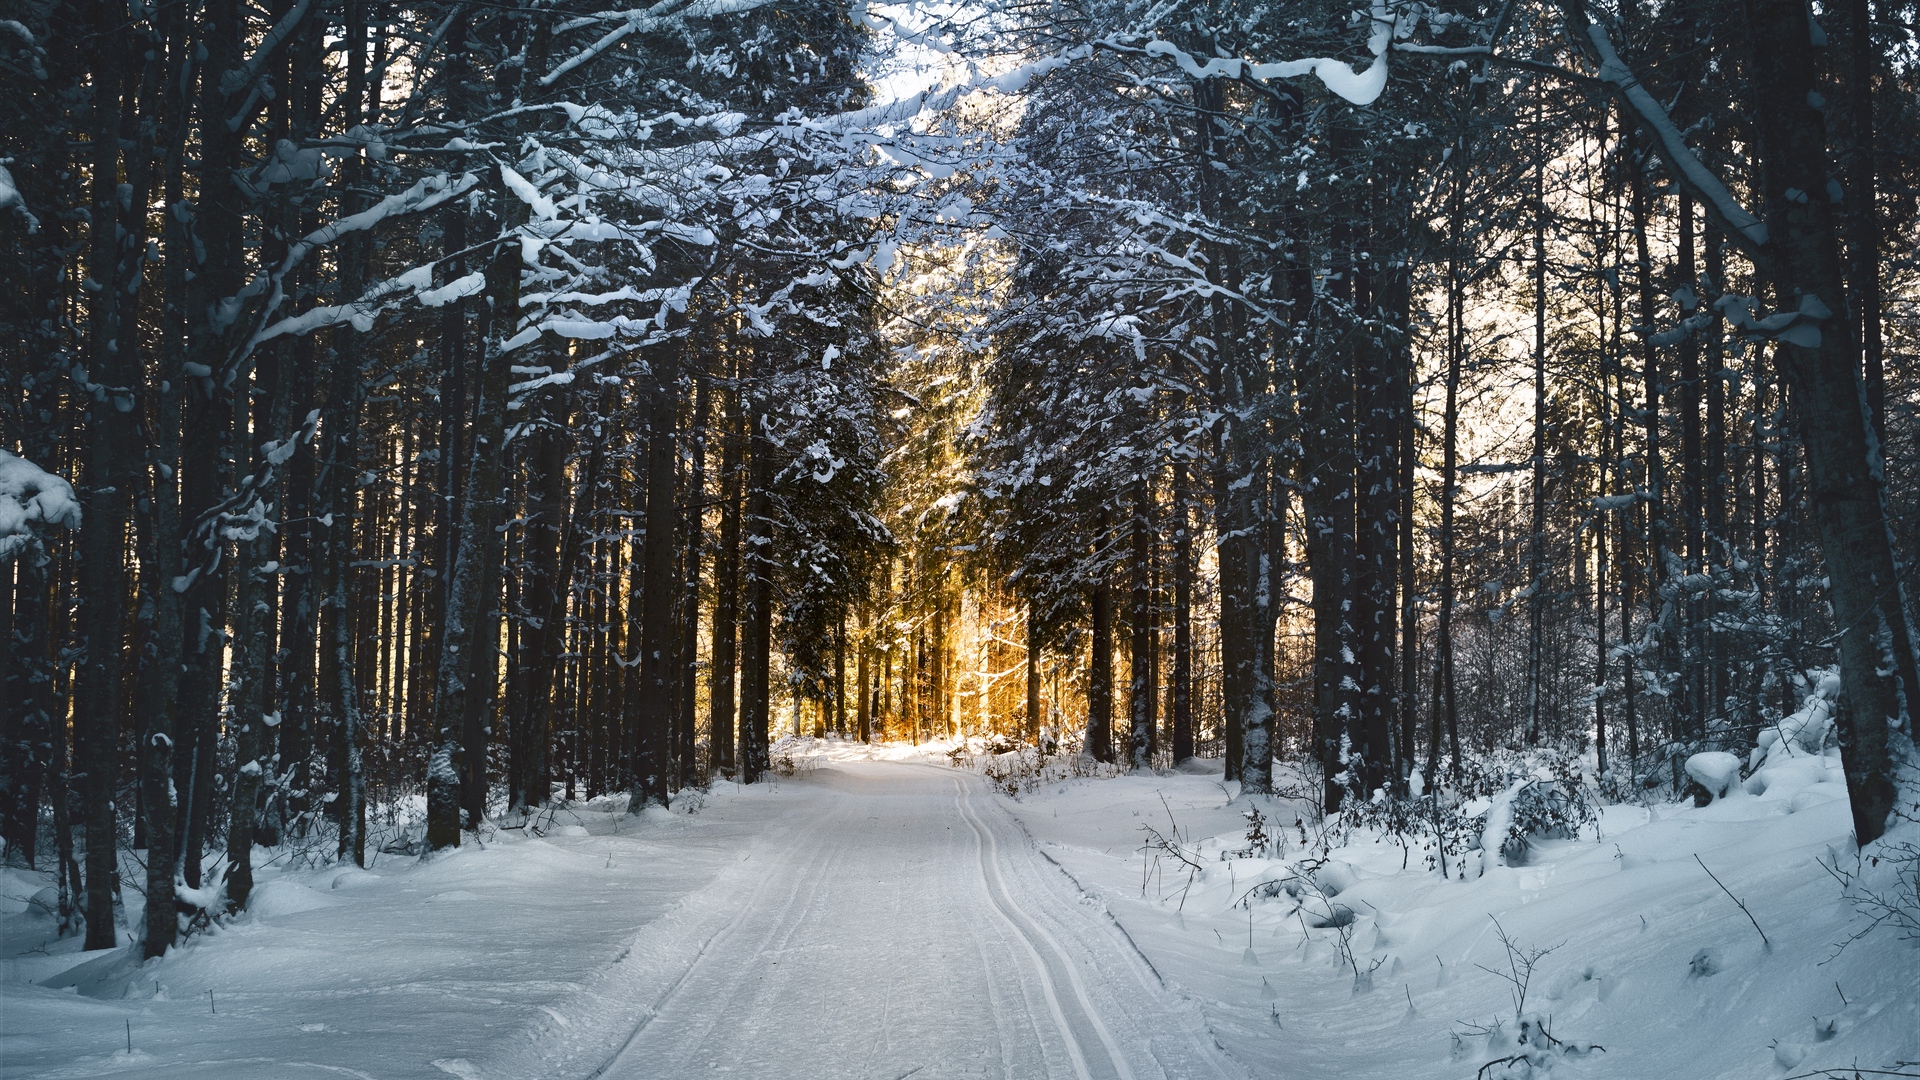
x=511, y=950
x=1314, y=961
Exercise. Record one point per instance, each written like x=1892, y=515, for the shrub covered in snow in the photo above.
x=1501, y=802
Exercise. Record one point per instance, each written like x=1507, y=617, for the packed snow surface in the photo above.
x=883, y=914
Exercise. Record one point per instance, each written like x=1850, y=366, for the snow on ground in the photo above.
x=879, y=912
x=1650, y=958
x=874, y=914
x=409, y=969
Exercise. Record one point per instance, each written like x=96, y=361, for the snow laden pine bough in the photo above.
x=30, y=499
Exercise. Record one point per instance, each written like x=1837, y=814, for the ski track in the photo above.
x=910, y=929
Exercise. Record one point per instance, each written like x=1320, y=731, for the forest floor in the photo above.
x=879, y=915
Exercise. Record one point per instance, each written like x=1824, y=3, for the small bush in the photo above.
x=1546, y=798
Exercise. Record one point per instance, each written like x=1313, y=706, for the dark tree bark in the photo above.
x=1863, y=211
x=686, y=763
x=42, y=277
x=29, y=693
x=1183, y=736
x=548, y=545
x=1694, y=700
x=337, y=688
x=1099, y=735
x=1409, y=555
x=757, y=619
x=1373, y=343
x=941, y=698
x=1446, y=712
x=1537, y=533
x=721, y=709
x=1033, y=674
x=1714, y=495
x=1846, y=473
x=862, y=673
x=660, y=586
x=1659, y=547
x=840, y=678
x=1326, y=391
x=456, y=774
x=105, y=385
x=1142, y=690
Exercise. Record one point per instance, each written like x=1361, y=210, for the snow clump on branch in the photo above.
x=30, y=495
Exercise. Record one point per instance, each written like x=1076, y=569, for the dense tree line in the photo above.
x=1334, y=302
x=505, y=403
x=426, y=372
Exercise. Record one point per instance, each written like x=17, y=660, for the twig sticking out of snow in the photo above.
x=1899, y=906
x=1737, y=900
x=1539, y=1047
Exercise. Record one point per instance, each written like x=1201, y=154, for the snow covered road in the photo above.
x=881, y=917
x=910, y=928
x=873, y=919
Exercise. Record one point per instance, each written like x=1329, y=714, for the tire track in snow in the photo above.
x=708, y=947
x=1073, y=1013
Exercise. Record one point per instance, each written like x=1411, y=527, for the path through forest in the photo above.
x=874, y=919
x=911, y=928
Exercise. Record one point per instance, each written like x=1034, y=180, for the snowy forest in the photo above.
x=434, y=433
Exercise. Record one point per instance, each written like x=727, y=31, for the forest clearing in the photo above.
x=1028, y=538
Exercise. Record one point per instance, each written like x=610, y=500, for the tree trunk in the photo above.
x=252, y=641
x=757, y=620
x=1445, y=704
x=685, y=744
x=1714, y=496
x=338, y=693
x=110, y=370
x=469, y=661
x=1660, y=606
x=548, y=544
x=1380, y=281
x=1099, y=737
x=660, y=586
x=1183, y=736
x=840, y=677
x=862, y=673
x=1846, y=471
x=1326, y=394
x=721, y=709
x=1142, y=693
x=1033, y=673
x=1537, y=487
x=1693, y=700
x=1864, y=213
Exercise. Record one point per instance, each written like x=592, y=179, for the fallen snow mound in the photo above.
x=1715, y=770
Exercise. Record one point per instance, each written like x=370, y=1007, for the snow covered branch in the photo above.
x=1361, y=87
x=1745, y=229
x=30, y=495
x=640, y=20
x=10, y=199
x=424, y=195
